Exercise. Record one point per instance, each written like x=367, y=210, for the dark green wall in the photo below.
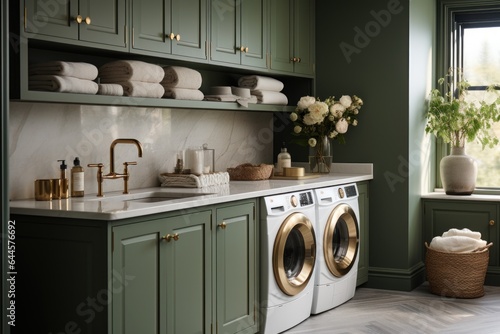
x=388, y=64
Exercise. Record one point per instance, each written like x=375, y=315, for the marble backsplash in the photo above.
x=42, y=133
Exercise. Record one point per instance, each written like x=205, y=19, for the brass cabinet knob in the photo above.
x=222, y=225
x=242, y=48
x=178, y=37
x=169, y=237
x=171, y=36
x=492, y=222
x=299, y=60
x=79, y=19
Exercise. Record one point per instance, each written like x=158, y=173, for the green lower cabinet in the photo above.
x=363, y=233
x=166, y=265
x=442, y=215
x=236, y=288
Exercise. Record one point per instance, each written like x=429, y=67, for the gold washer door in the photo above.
x=294, y=254
x=340, y=240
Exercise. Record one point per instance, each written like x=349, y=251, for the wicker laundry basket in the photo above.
x=458, y=275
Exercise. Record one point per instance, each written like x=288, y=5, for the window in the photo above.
x=470, y=39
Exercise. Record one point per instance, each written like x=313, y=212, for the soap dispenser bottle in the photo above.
x=64, y=180
x=77, y=179
x=284, y=160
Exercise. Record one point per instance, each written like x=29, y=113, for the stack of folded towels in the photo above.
x=194, y=181
x=231, y=94
x=63, y=76
x=182, y=83
x=137, y=78
x=458, y=241
x=266, y=89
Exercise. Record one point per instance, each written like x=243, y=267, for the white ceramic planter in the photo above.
x=458, y=172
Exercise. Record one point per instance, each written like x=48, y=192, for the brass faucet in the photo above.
x=112, y=174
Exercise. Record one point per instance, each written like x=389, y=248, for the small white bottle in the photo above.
x=284, y=160
x=77, y=179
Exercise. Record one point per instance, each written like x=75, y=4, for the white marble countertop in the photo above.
x=118, y=206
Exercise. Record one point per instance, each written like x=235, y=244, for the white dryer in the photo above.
x=337, y=228
x=288, y=254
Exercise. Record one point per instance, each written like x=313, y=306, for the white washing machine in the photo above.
x=337, y=228
x=288, y=255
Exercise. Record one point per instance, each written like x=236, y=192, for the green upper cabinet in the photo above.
x=239, y=32
x=96, y=21
x=292, y=36
x=167, y=264
x=177, y=27
x=236, y=269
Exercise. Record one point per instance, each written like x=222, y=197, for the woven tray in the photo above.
x=249, y=172
x=458, y=275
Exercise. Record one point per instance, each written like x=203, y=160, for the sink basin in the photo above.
x=150, y=197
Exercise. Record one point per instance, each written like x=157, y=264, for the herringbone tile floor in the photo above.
x=377, y=311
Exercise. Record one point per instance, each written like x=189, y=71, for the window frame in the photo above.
x=453, y=15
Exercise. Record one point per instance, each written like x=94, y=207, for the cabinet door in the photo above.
x=107, y=21
x=440, y=216
x=188, y=271
x=139, y=306
x=53, y=18
x=281, y=35
x=150, y=21
x=363, y=233
x=236, y=290
x=189, y=21
x=304, y=32
x=225, y=36
x=254, y=32
x=166, y=265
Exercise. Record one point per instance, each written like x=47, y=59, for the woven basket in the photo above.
x=458, y=275
x=249, y=172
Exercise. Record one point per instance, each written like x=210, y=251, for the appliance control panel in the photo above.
x=306, y=198
x=350, y=191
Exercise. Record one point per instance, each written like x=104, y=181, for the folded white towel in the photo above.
x=183, y=94
x=142, y=89
x=194, y=181
x=270, y=97
x=463, y=232
x=241, y=92
x=257, y=82
x=456, y=244
x=181, y=77
x=130, y=70
x=221, y=98
x=110, y=89
x=65, y=68
x=64, y=84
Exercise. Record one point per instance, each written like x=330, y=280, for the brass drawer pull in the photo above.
x=169, y=237
x=222, y=225
x=492, y=222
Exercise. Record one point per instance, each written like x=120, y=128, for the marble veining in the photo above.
x=42, y=133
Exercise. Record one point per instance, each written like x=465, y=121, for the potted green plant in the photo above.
x=457, y=120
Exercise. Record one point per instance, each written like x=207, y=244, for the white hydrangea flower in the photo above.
x=355, y=122
x=341, y=126
x=305, y=102
x=293, y=117
x=312, y=142
x=297, y=129
x=346, y=101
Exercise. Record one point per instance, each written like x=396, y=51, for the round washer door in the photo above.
x=340, y=240
x=294, y=254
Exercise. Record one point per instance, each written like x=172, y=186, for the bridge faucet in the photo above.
x=112, y=174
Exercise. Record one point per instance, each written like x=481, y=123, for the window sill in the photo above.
x=481, y=196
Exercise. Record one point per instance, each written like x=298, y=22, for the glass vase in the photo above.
x=320, y=156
